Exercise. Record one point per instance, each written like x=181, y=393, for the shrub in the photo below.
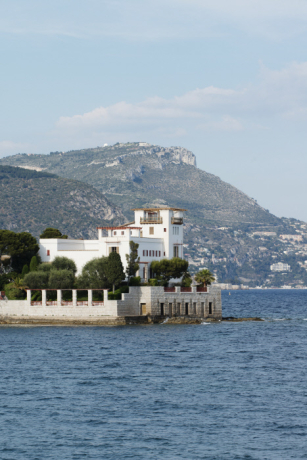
x=61, y=279
x=36, y=280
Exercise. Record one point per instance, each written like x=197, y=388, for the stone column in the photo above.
x=74, y=297
x=105, y=296
x=29, y=297
x=44, y=298
x=59, y=297
x=90, y=298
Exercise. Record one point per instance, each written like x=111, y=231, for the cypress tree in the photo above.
x=114, y=270
x=33, y=264
x=25, y=270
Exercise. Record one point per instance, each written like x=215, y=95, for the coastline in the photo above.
x=114, y=321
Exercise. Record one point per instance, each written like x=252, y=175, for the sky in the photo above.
x=224, y=79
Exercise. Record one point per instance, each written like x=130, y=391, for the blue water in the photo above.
x=214, y=391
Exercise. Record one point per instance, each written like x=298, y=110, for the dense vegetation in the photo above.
x=31, y=201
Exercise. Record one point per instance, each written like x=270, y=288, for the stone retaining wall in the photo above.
x=141, y=300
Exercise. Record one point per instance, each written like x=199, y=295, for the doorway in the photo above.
x=210, y=308
x=143, y=308
x=162, y=309
x=187, y=308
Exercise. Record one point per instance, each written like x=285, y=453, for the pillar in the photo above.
x=44, y=298
x=194, y=289
x=105, y=296
x=74, y=297
x=59, y=297
x=177, y=289
x=90, y=297
x=29, y=297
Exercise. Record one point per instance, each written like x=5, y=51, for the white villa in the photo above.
x=158, y=231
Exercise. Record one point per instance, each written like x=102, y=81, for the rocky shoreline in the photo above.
x=114, y=321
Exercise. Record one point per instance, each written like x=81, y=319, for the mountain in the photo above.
x=139, y=174
x=31, y=201
x=220, y=220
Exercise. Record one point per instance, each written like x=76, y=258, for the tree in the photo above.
x=93, y=275
x=44, y=267
x=52, y=233
x=166, y=269
x=114, y=270
x=64, y=263
x=132, y=260
x=33, y=264
x=20, y=246
x=61, y=279
x=25, y=270
x=204, y=277
x=36, y=280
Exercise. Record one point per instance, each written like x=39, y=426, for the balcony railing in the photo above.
x=177, y=220
x=151, y=220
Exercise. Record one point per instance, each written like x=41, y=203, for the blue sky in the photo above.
x=225, y=79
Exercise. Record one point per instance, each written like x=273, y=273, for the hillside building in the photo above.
x=158, y=232
x=280, y=267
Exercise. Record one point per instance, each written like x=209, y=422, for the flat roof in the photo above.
x=119, y=228
x=158, y=209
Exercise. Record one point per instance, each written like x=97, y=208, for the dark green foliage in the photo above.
x=21, y=173
x=114, y=270
x=186, y=280
x=166, y=269
x=52, y=233
x=132, y=260
x=204, y=277
x=153, y=282
x=61, y=279
x=33, y=264
x=64, y=263
x=6, y=278
x=36, y=280
x=25, y=270
x=45, y=267
x=117, y=295
x=93, y=275
x=20, y=246
x=13, y=293
x=135, y=281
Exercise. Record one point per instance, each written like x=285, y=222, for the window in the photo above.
x=156, y=253
x=165, y=230
x=149, y=253
x=48, y=252
x=159, y=253
x=114, y=233
x=151, y=230
x=144, y=273
x=123, y=233
x=176, y=251
x=164, y=253
x=175, y=230
x=144, y=252
x=210, y=308
x=114, y=249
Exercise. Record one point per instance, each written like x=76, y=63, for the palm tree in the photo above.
x=204, y=277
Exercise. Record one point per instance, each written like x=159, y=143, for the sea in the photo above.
x=223, y=391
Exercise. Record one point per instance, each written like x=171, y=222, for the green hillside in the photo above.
x=31, y=201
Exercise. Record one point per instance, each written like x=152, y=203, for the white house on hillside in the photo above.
x=158, y=231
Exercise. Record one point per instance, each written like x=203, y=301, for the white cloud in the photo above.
x=277, y=95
